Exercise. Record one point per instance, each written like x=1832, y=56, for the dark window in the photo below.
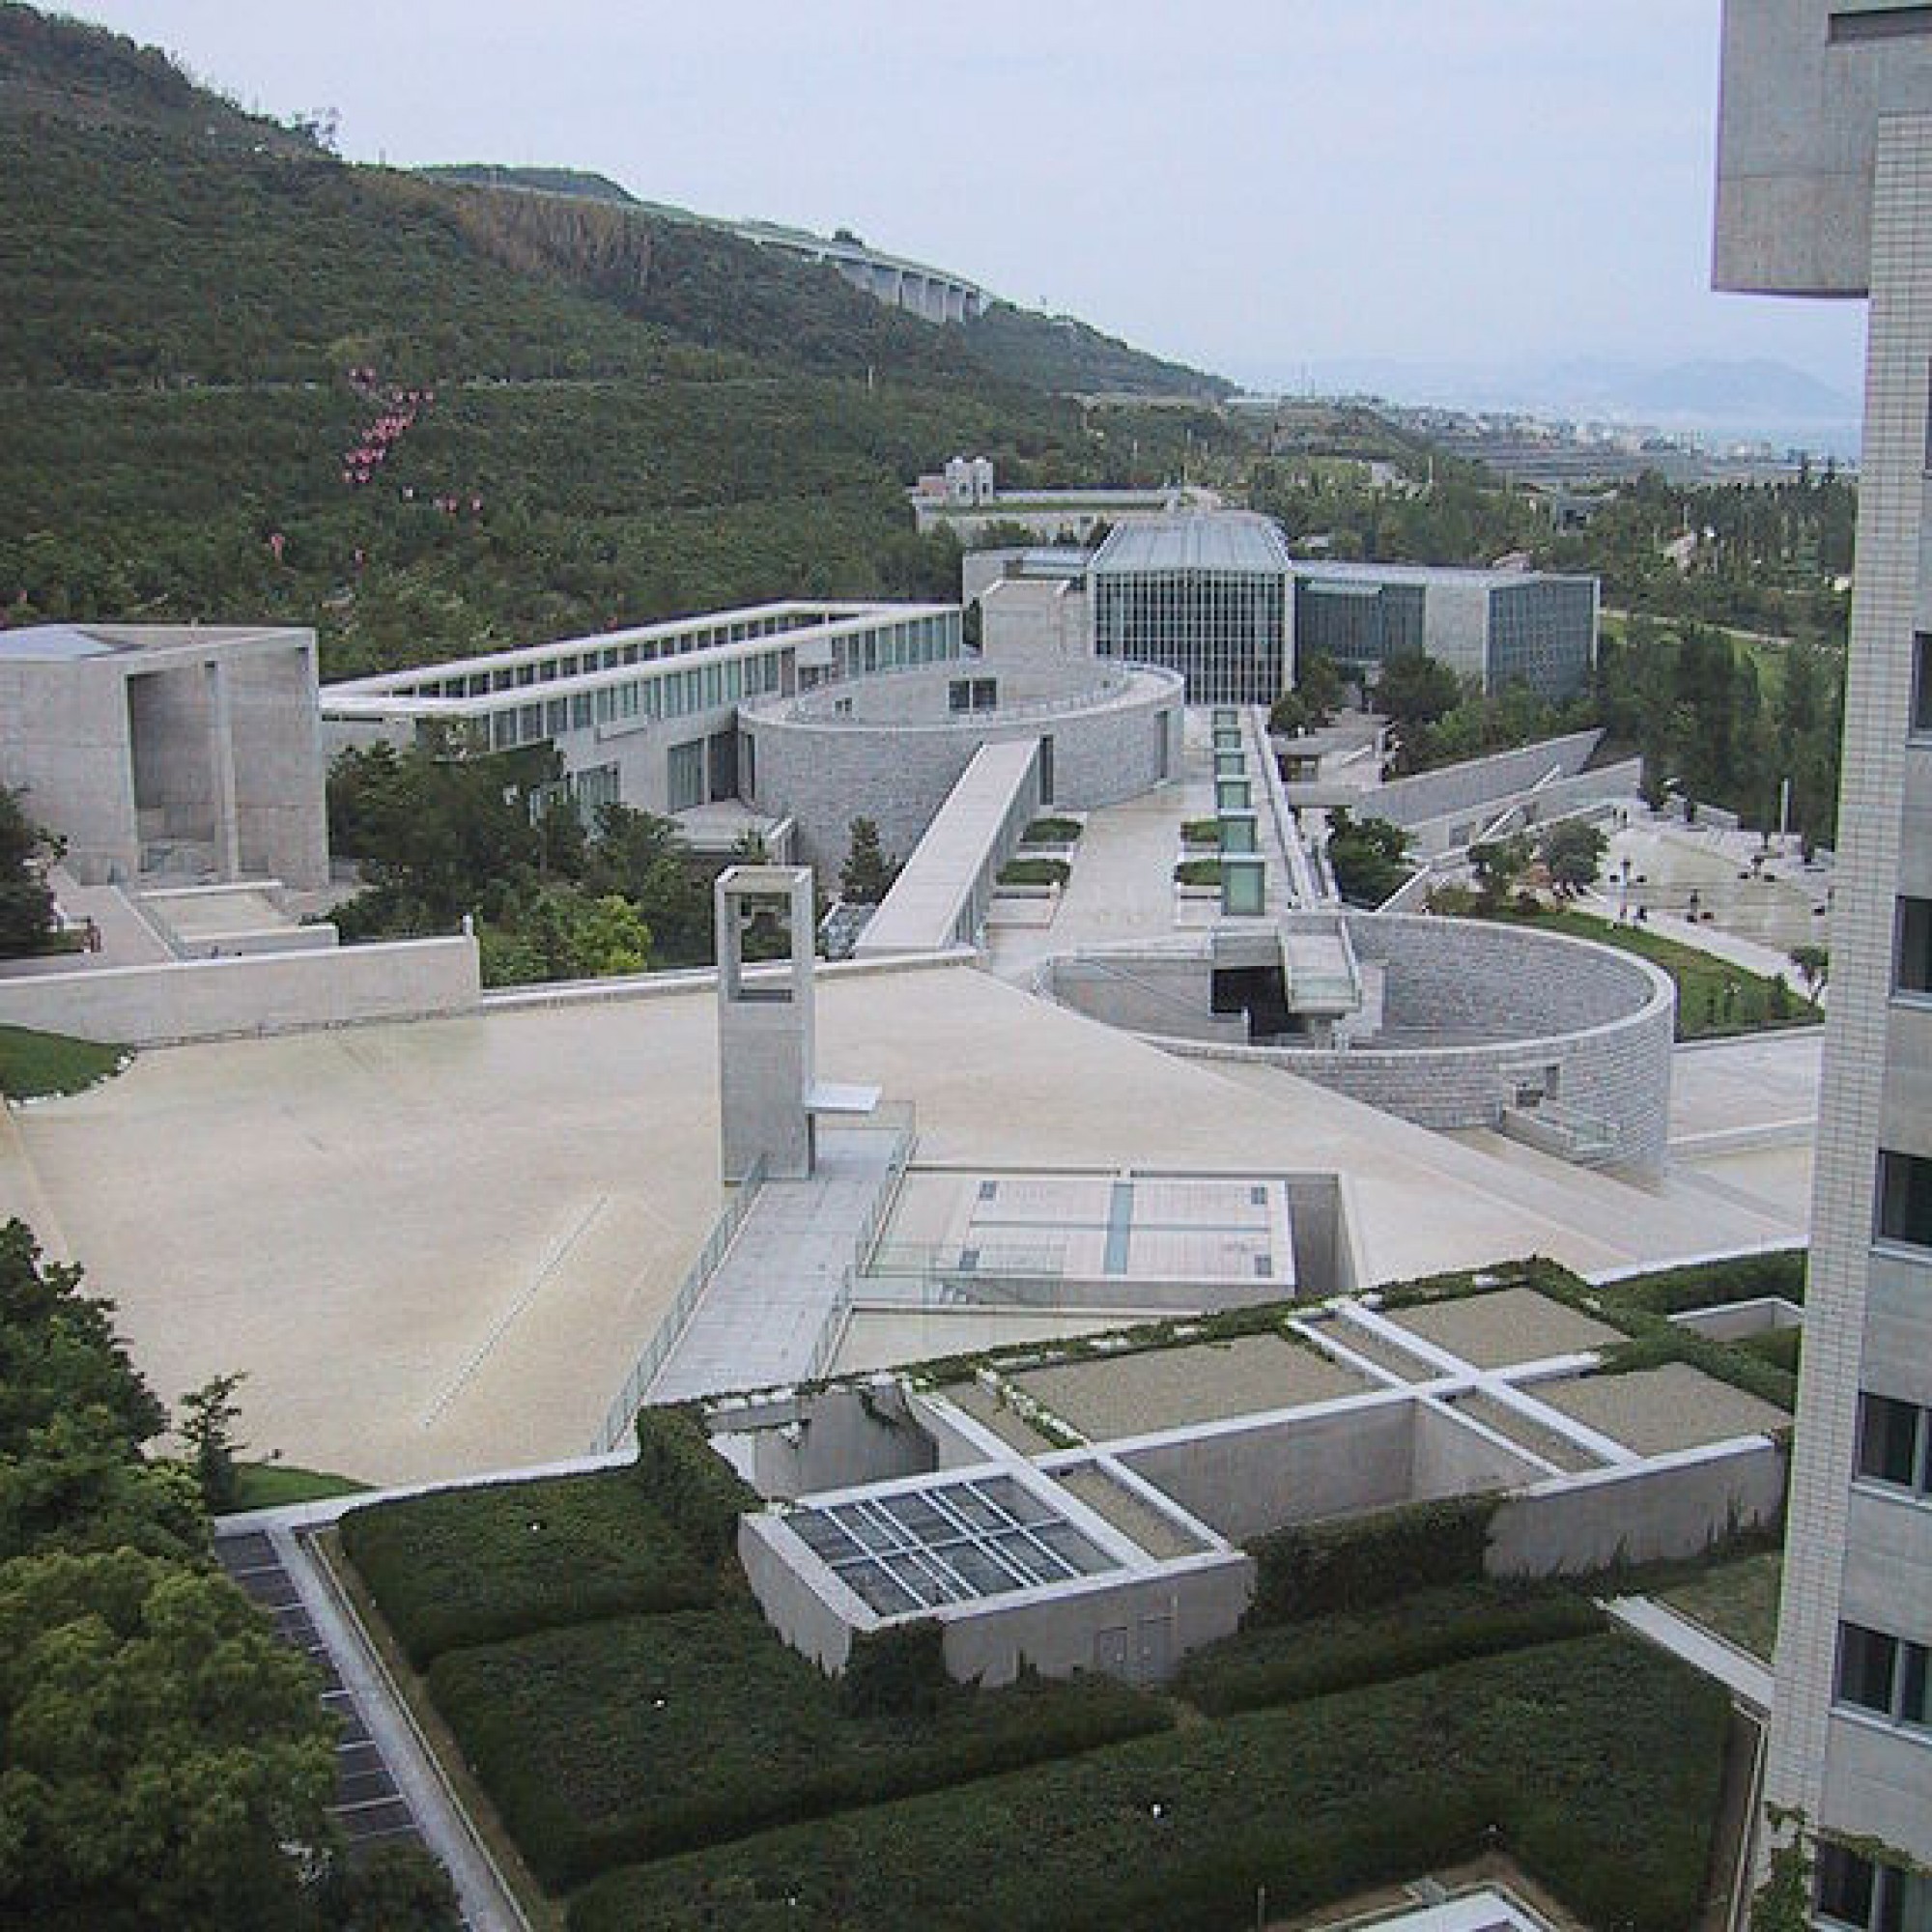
x=1912, y=965
x=1904, y=1199
x=1884, y=1674
x=1893, y=1443
x=1868, y=1659
x=1046, y=770
x=1880, y=23
x=1846, y=1886
x=1922, y=681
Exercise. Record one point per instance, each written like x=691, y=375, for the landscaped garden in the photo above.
x=661, y=1758
x=1715, y=998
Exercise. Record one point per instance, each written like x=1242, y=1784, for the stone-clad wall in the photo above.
x=824, y=770
x=1505, y=1005
x=1604, y=1020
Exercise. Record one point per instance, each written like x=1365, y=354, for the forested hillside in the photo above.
x=242, y=379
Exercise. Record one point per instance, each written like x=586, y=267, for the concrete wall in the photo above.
x=1468, y=786
x=1133, y=1627
x=1659, y=1510
x=216, y=999
x=1474, y=1008
x=1252, y=1478
x=1454, y=1459
x=63, y=744
x=278, y=767
x=787, y=1580
x=899, y=754
x=1564, y=797
x=841, y=1438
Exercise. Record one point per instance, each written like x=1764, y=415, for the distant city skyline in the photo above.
x=1259, y=186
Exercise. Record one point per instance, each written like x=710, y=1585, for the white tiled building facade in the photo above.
x=1825, y=188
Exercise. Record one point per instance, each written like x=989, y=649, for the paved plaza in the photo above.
x=437, y=1248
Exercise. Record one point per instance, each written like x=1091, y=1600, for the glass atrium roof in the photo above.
x=952, y=1543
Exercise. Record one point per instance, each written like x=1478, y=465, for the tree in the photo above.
x=1814, y=968
x=1574, y=850
x=1499, y=865
x=1367, y=857
x=166, y=1760
x=209, y=1415
x=868, y=874
x=1319, y=686
x=26, y=903
x=1416, y=690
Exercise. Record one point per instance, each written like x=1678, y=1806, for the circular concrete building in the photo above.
x=891, y=747
x=1450, y=1023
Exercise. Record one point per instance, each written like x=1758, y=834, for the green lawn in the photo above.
x=36, y=1065
x=1737, y=1600
x=1715, y=999
x=272, y=1485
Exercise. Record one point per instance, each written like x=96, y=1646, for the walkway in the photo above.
x=781, y=1287
x=1741, y=1675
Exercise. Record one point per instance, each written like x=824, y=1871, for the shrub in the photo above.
x=1599, y=1763
x=1271, y=1664
x=1709, y=1284
x=698, y=1492
x=1360, y=1563
x=1198, y=873
x=1202, y=832
x=1035, y=872
x=472, y=1566
x=1052, y=832
x=898, y=1671
x=644, y=1735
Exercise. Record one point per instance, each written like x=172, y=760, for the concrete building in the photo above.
x=892, y=748
x=1083, y=1508
x=1825, y=188
x=645, y=716
x=1206, y=596
x=1495, y=627
x=164, y=749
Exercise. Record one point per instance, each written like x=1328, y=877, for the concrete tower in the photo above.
x=1825, y=188
x=764, y=1024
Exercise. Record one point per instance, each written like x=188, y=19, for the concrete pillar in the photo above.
x=221, y=765
x=765, y=1027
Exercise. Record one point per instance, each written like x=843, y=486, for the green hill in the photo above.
x=622, y=417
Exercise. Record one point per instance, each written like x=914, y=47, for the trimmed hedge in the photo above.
x=1360, y=1563
x=1288, y=1664
x=699, y=1493
x=1034, y=872
x=1597, y=1763
x=1052, y=832
x=1709, y=1284
x=471, y=1566
x=633, y=1738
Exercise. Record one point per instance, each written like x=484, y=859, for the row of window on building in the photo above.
x=614, y=656
x=666, y=692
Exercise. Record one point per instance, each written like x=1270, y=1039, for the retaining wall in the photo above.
x=218, y=999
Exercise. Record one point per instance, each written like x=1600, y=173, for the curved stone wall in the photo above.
x=891, y=747
x=1473, y=1011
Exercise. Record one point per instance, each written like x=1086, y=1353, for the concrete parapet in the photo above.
x=267, y=993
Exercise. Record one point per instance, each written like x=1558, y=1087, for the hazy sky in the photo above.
x=1251, y=184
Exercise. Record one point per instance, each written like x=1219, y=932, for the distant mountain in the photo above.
x=1709, y=397
x=608, y=416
